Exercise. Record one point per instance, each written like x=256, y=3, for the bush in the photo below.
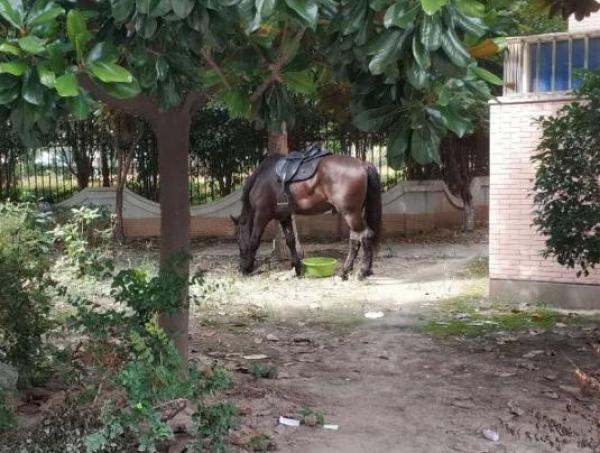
x=567, y=182
x=26, y=254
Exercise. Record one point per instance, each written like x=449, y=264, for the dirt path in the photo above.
x=389, y=386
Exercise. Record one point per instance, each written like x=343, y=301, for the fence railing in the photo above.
x=548, y=63
x=220, y=161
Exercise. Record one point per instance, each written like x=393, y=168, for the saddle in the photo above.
x=298, y=166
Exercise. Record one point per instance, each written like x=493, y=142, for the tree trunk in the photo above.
x=172, y=132
x=278, y=140
x=278, y=144
x=104, y=162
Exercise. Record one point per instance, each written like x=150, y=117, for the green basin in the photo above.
x=319, y=266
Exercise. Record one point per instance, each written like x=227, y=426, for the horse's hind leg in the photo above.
x=288, y=230
x=356, y=225
x=349, y=263
x=366, y=241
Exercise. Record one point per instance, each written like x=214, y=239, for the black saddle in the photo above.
x=297, y=166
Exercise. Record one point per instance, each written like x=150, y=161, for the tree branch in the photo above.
x=211, y=62
x=140, y=105
x=280, y=61
x=194, y=99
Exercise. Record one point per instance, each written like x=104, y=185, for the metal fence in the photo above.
x=223, y=152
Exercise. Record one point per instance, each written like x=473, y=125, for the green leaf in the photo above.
x=469, y=24
x=400, y=14
x=300, y=82
x=420, y=53
x=398, y=145
x=110, y=72
x=454, y=121
x=471, y=8
x=42, y=12
x=388, y=49
x=9, y=88
x=307, y=10
x=13, y=12
x=237, y=104
x=416, y=76
x=146, y=26
x=102, y=51
x=486, y=75
x=375, y=119
x=77, y=32
x=16, y=68
x=46, y=75
x=122, y=90
x=432, y=6
x=10, y=49
x=121, y=9
x=182, y=8
x=425, y=145
x=66, y=85
x=79, y=107
x=32, y=91
x=32, y=44
x=431, y=32
x=153, y=8
x=454, y=49
x=7, y=96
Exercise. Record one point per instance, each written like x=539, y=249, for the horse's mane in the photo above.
x=262, y=168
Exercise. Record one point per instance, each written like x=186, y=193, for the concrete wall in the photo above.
x=410, y=206
x=517, y=269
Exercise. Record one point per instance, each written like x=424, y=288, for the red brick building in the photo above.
x=538, y=78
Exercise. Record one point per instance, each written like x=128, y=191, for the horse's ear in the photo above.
x=235, y=219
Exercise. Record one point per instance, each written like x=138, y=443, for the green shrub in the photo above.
x=26, y=255
x=567, y=181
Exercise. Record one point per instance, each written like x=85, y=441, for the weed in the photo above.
x=260, y=442
x=311, y=417
x=263, y=371
x=478, y=267
x=7, y=418
x=469, y=315
x=212, y=423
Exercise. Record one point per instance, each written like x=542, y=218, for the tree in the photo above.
x=406, y=61
x=141, y=57
x=567, y=181
x=580, y=8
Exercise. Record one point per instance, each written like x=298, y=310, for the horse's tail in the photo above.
x=373, y=209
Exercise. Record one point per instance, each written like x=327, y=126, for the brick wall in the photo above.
x=514, y=245
x=591, y=23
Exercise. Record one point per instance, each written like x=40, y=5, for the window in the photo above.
x=551, y=63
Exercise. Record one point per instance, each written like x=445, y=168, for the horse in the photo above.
x=347, y=184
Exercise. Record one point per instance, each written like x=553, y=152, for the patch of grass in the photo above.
x=310, y=417
x=469, y=314
x=260, y=442
x=479, y=267
x=263, y=371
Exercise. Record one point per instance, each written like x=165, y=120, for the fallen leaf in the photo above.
x=514, y=408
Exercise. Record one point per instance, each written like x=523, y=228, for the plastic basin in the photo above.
x=319, y=266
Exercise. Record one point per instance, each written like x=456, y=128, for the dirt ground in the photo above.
x=388, y=385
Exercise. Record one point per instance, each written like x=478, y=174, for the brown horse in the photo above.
x=346, y=184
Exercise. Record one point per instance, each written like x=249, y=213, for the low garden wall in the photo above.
x=410, y=206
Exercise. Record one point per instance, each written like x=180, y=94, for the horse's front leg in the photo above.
x=288, y=230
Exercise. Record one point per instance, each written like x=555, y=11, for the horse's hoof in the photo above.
x=364, y=274
x=344, y=276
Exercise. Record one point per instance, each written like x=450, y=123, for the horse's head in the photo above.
x=243, y=232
